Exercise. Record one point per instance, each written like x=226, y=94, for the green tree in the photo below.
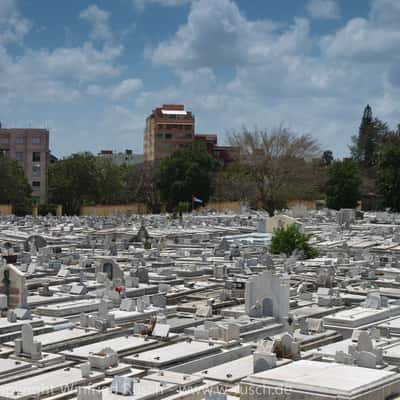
x=141, y=181
x=85, y=179
x=185, y=173
x=111, y=182
x=14, y=187
x=327, y=157
x=371, y=133
x=388, y=175
x=343, y=184
x=73, y=181
x=287, y=240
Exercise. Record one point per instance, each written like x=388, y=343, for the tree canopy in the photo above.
x=14, y=187
x=185, y=173
x=388, y=177
x=371, y=133
x=85, y=179
x=342, y=186
x=266, y=169
x=287, y=240
x=327, y=157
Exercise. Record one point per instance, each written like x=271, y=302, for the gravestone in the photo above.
x=131, y=281
x=366, y=359
x=343, y=358
x=263, y=361
x=13, y=285
x=22, y=313
x=78, y=290
x=204, y=311
x=213, y=394
x=315, y=325
x=159, y=300
x=303, y=325
x=87, y=393
x=84, y=320
x=3, y=302
x=104, y=359
x=113, y=271
x=269, y=291
x=140, y=304
x=103, y=309
x=164, y=288
x=26, y=346
x=85, y=370
x=364, y=342
x=161, y=330
x=128, y=305
x=63, y=272
x=373, y=301
x=122, y=385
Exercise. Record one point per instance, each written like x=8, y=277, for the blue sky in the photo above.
x=91, y=71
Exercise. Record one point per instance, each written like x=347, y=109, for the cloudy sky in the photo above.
x=91, y=71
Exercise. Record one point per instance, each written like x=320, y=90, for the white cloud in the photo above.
x=363, y=40
x=323, y=9
x=13, y=27
x=313, y=84
x=385, y=12
x=21, y=81
x=230, y=70
x=117, y=92
x=44, y=75
x=218, y=35
x=125, y=88
x=94, y=89
x=99, y=19
x=375, y=39
x=141, y=4
x=67, y=89
x=83, y=63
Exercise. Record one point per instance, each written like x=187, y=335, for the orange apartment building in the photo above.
x=168, y=128
x=30, y=147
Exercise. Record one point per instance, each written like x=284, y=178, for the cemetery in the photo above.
x=150, y=307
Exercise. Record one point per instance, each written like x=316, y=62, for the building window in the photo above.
x=4, y=152
x=36, y=140
x=36, y=185
x=4, y=140
x=19, y=140
x=19, y=156
x=168, y=136
x=36, y=170
x=36, y=156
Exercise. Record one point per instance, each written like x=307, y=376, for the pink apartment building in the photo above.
x=30, y=147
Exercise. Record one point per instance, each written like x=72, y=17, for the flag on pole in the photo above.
x=196, y=200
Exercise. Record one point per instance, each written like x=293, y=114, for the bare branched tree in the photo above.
x=277, y=162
